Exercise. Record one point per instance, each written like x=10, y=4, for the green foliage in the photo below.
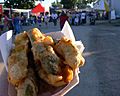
x=86, y=1
x=54, y=4
x=20, y=4
x=72, y=3
x=83, y=3
x=68, y=3
x=90, y=1
x=57, y=4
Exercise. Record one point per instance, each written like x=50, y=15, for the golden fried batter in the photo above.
x=48, y=40
x=55, y=62
x=35, y=35
x=29, y=86
x=67, y=74
x=49, y=61
x=21, y=38
x=54, y=80
x=71, y=54
x=18, y=61
x=43, y=52
x=46, y=55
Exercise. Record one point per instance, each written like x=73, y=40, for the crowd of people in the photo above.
x=16, y=20
x=7, y=23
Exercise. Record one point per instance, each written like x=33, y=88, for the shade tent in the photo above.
x=39, y=8
x=99, y=5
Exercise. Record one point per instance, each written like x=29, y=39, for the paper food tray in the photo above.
x=6, y=45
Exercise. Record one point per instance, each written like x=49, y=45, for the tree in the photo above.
x=90, y=1
x=86, y=1
x=69, y=3
x=20, y=4
x=83, y=3
x=56, y=4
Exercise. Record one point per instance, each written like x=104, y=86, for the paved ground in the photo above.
x=101, y=74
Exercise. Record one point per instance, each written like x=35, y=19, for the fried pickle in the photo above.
x=36, y=56
x=18, y=61
x=29, y=86
x=54, y=62
x=45, y=56
x=69, y=51
x=43, y=52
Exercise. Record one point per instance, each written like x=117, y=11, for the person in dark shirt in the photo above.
x=39, y=19
x=16, y=23
x=63, y=18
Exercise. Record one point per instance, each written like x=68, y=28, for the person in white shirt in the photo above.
x=46, y=19
x=76, y=21
x=54, y=18
x=83, y=17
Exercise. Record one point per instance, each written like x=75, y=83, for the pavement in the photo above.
x=101, y=74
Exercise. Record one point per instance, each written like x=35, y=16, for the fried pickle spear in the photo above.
x=46, y=55
x=71, y=54
x=43, y=52
x=49, y=61
x=28, y=87
x=17, y=61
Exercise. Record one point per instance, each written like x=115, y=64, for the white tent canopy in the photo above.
x=99, y=5
x=27, y=12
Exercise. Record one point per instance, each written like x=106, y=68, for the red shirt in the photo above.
x=63, y=19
